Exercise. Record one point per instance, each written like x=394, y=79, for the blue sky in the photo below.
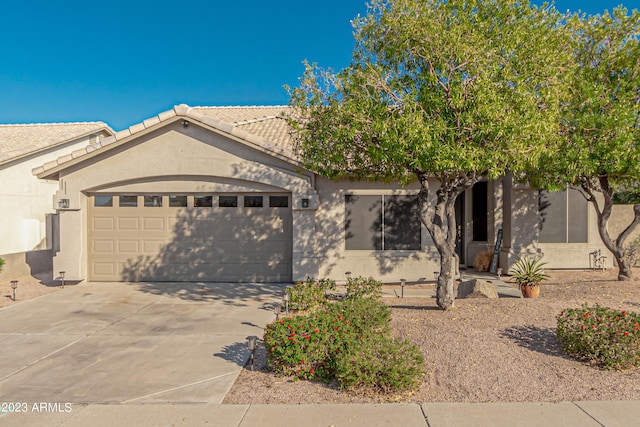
x=124, y=61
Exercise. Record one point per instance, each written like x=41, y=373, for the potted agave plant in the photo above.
x=529, y=274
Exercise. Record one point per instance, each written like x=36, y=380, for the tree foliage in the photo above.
x=459, y=90
x=599, y=150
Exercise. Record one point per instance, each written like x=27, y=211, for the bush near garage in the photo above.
x=607, y=336
x=309, y=294
x=360, y=287
x=347, y=341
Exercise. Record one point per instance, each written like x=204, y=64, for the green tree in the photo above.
x=456, y=90
x=599, y=152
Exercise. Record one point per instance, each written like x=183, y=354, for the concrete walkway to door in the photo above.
x=131, y=342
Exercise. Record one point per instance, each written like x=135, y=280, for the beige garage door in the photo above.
x=187, y=237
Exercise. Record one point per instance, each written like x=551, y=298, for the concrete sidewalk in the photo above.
x=579, y=414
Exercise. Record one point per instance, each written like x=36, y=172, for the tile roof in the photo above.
x=19, y=140
x=267, y=122
x=262, y=126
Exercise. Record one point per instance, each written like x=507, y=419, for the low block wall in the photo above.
x=26, y=264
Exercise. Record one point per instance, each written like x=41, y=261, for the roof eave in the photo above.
x=51, y=170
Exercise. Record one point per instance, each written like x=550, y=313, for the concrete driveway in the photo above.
x=131, y=342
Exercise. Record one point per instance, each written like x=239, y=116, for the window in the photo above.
x=202, y=201
x=382, y=223
x=177, y=201
x=128, y=201
x=103, y=201
x=563, y=217
x=479, y=198
x=278, y=201
x=252, y=201
x=228, y=201
x=152, y=201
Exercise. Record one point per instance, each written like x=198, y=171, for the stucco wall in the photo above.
x=172, y=158
x=576, y=255
x=26, y=264
x=390, y=266
x=25, y=200
x=620, y=219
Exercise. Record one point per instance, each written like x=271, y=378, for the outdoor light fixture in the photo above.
x=285, y=298
x=62, y=279
x=14, y=286
x=305, y=203
x=436, y=274
x=63, y=204
x=499, y=272
x=348, y=274
x=402, y=283
x=277, y=307
x=252, y=344
x=185, y=124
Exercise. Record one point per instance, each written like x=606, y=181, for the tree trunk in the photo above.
x=444, y=291
x=603, y=213
x=440, y=222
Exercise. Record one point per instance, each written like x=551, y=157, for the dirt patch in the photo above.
x=28, y=287
x=484, y=350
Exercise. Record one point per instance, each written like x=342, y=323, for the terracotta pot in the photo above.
x=530, y=291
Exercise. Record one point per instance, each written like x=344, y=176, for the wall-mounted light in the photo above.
x=63, y=204
x=305, y=203
x=185, y=124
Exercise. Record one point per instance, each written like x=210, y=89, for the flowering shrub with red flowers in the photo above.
x=306, y=346
x=309, y=294
x=609, y=337
x=348, y=341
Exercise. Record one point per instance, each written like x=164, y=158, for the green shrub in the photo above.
x=348, y=341
x=365, y=315
x=361, y=287
x=1, y=264
x=381, y=363
x=306, y=346
x=609, y=337
x=309, y=294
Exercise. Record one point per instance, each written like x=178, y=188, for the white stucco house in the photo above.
x=217, y=194
x=26, y=210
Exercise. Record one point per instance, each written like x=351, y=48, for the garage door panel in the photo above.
x=153, y=224
x=102, y=223
x=190, y=244
x=128, y=224
x=103, y=246
x=128, y=246
x=103, y=269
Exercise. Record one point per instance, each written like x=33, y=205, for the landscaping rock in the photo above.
x=476, y=288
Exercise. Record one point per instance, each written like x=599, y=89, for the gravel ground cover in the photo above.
x=484, y=350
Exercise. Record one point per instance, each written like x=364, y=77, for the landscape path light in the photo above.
x=285, y=298
x=252, y=344
x=62, y=278
x=277, y=307
x=14, y=286
x=402, y=283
